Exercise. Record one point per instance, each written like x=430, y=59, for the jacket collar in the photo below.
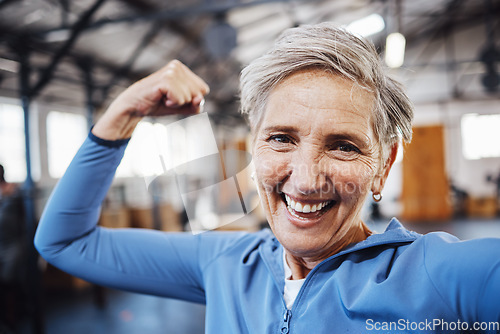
x=395, y=233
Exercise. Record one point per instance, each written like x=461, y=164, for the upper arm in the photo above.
x=139, y=260
x=145, y=261
x=466, y=275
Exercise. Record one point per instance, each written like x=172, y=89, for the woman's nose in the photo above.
x=307, y=175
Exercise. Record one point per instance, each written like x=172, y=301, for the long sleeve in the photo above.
x=140, y=260
x=74, y=206
x=466, y=274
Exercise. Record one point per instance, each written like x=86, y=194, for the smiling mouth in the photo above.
x=306, y=210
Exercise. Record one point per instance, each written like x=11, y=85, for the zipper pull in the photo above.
x=285, y=328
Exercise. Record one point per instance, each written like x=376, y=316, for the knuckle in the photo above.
x=168, y=73
x=174, y=63
x=174, y=69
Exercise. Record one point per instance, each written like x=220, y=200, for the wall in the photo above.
x=443, y=78
x=467, y=174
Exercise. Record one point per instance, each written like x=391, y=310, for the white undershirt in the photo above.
x=292, y=287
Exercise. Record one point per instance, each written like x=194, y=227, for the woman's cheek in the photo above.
x=271, y=169
x=353, y=179
x=267, y=179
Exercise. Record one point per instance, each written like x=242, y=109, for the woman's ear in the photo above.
x=379, y=181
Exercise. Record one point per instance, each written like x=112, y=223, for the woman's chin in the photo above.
x=308, y=240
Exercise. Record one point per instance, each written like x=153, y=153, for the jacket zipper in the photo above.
x=285, y=328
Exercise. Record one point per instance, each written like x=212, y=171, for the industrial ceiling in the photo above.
x=83, y=53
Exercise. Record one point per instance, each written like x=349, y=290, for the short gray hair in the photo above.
x=326, y=46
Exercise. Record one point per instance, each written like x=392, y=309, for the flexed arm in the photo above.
x=129, y=259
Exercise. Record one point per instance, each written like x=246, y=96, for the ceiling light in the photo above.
x=59, y=35
x=367, y=26
x=9, y=65
x=395, y=50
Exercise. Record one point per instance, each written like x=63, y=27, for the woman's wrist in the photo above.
x=116, y=124
x=106, y=142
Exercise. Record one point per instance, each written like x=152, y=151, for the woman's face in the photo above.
x=316, y=158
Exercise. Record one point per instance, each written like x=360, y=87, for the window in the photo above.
x=65, y=133
x=140, y=157
x=480, y=136
x=156, y=148
x=12, y=148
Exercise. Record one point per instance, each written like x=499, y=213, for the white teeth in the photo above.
x=304, y=208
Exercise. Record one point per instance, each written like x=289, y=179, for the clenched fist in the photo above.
x=174, y=89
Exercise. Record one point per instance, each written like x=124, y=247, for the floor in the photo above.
x=122, y=313
x=464, y=229
x=127, y=313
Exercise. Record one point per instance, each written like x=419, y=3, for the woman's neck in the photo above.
x=301, y=266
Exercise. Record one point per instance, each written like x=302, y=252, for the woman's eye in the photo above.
x=282, y=139
x=347, y=148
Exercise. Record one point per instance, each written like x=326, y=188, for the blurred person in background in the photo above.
x=12, y=252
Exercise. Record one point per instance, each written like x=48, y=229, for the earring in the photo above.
x=253, y=176
x=377, y=197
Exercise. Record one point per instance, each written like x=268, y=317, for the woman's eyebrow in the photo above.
x=280, y=128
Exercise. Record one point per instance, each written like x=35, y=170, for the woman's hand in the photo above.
x=174, y=89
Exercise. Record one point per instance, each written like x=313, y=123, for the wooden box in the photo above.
x=481, y=207
x=115, y=218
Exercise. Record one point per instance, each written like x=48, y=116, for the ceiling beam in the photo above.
x=124, y=70
x=176, y=14
x=449, y=17
x=174, y=26
x=77, y=29
x=4, y=3
x=145, y=8
x=141, y=5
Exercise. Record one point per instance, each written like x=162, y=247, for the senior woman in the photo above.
x=326, y=122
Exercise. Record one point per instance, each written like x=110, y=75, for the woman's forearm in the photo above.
x=69, y=239
x=73, y=208
x=67, y=235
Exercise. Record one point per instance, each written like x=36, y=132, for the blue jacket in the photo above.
x=395, y=282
